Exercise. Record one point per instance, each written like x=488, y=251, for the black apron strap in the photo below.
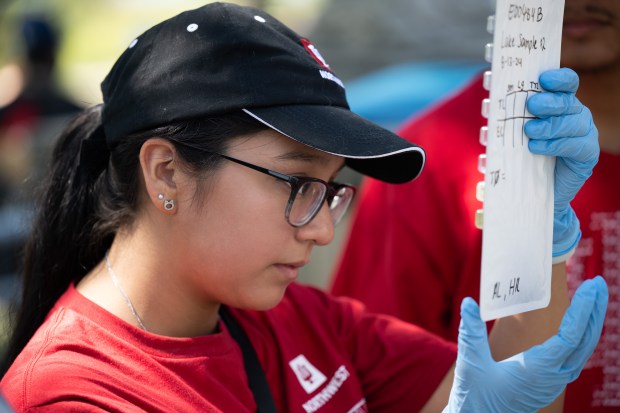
x=253, y=369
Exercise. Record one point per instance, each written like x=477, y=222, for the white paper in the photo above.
x=518, y=193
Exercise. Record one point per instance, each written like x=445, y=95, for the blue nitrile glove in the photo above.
x=533, y=379
x=564, y=129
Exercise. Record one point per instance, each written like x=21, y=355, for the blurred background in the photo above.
x=396, y=57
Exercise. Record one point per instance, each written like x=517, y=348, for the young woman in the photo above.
x=160, y=273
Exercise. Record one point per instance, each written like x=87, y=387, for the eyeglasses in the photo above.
x=308, y=195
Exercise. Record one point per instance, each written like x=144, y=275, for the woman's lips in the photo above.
x=582, y=28
x=581, y=23
x=290, y=271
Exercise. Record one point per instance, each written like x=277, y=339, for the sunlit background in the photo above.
x=95, y=32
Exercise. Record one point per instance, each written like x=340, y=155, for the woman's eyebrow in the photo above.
x=302, y=156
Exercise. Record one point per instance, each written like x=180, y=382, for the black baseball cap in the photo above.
x=224, y=58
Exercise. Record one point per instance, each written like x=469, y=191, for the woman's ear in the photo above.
x=157, y=159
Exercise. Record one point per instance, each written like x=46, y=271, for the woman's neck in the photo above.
x=146, y=289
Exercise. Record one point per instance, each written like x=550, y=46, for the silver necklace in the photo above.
x=117, y=284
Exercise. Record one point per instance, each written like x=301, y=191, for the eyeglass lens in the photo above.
x=307, y=202
x=309, y=198
x=340, y=203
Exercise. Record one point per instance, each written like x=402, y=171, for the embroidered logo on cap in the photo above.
x=309, y=376
x=314, y=52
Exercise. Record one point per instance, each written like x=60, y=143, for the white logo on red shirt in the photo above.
x=309, y=376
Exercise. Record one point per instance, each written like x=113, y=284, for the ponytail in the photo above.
x=63, y=245
x=89, y=194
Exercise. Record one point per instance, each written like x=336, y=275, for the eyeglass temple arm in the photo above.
x=279, y=175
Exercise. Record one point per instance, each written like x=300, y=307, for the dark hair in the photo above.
x=81, y=207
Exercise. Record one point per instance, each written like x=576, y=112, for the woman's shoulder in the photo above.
x=76, y=340
x=50, y=364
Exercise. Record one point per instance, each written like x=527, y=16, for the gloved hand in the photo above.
x=530, y=380
x=564, y=129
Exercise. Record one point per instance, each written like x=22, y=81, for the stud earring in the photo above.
x=169, y=204
x=160, y=197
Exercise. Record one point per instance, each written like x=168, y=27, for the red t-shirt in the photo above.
x=598, y=207
x=414, y=251
x=319, y=354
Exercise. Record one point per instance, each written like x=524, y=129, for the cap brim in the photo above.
x=367, y=147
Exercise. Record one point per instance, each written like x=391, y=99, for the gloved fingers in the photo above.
x=566, y=126
x=537, y=375
x=582, y=149
x=473, y=344
x=592, y=334
x=545, y=104
x=540, y=375
x=559, y=80
x=556, y=351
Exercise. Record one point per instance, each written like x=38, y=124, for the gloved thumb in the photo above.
x=473, y=339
